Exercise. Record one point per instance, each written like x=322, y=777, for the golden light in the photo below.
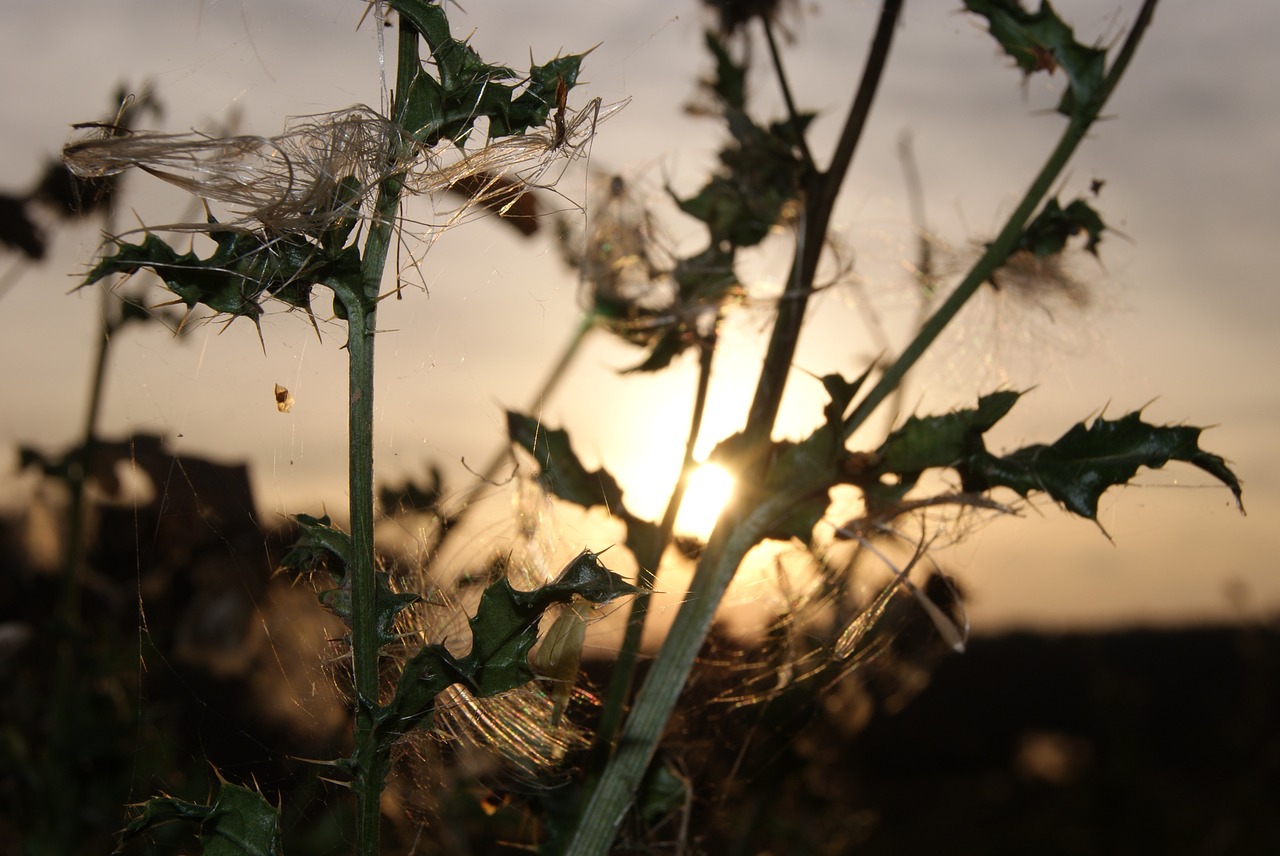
x=710, y=486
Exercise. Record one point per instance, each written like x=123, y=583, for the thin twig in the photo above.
x=619, y=691
x=785, y=86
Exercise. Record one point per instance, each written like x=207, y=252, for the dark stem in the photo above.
x=620, y=680
x=787, y=97
x=67, y=722
x=821, y=194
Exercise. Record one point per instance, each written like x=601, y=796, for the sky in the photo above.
x=1179, y=322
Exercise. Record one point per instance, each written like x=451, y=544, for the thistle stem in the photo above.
x=67, y=710
x=370, y=761
x=999, y=250
x=621, y=678
x=820, y=200
x=741, y=524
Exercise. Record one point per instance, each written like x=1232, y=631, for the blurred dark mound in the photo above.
x=1152, y=741
x=1142, y=741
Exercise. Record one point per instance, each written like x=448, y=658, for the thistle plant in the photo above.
x=786, y=486
x=316, y=208
x=82, y=677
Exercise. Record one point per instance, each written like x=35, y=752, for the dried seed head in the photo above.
x=324, y=168
x=489, y=172
x=624, y=272
x=734, y=15
x=1041, y=280
x=291, y=183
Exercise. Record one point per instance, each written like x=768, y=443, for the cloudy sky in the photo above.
x=1180, y=319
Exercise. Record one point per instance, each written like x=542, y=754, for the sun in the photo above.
x=710, y=486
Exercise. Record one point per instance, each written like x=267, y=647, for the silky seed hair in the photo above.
x=525, y=729
x=294, y=182
x=285, y=184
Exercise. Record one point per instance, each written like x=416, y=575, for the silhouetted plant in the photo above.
x=316, y=207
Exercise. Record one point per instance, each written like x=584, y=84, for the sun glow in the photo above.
x=710, y=487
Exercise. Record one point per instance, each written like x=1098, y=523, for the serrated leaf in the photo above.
x=325, y=548
x=929, y=442
x=562, y=474
x=705, y=282
x=585, y=576
x=322, y=547
x=942, y=441
x=318, y=544
x=466, y=88
x=730, y=83
x=763, y=170
x=503, y=632
x=423, y=113
x=841, y=392
x=1041, y=41
x=387, y=603
x=671, y=343
x=51, y=467
x=559, y=471
x=244, y=270
x=456, y=62
x=425, y=675
x=239, y=822
x=243, y=824
x=414, y=497
x=810, y=468
x=348, y=192
x=532, y=107
x=741, y=206
x=1086, y=461
x=1048, y=233
x=160, y=810
x=505, y=626
x=427, y=17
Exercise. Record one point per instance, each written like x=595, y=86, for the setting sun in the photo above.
x=710, y=487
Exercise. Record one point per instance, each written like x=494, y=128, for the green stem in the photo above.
x=999, y=250
x=65, y=788
x=741, y=525
x=371, y=760
x=364, y=639
x=620, y=679
x=662, y=687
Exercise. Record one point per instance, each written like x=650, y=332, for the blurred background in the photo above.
x=1177, y=319
x=1120, y=693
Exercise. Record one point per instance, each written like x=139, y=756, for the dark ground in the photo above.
x=1160, y=741
x=1140, y=741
